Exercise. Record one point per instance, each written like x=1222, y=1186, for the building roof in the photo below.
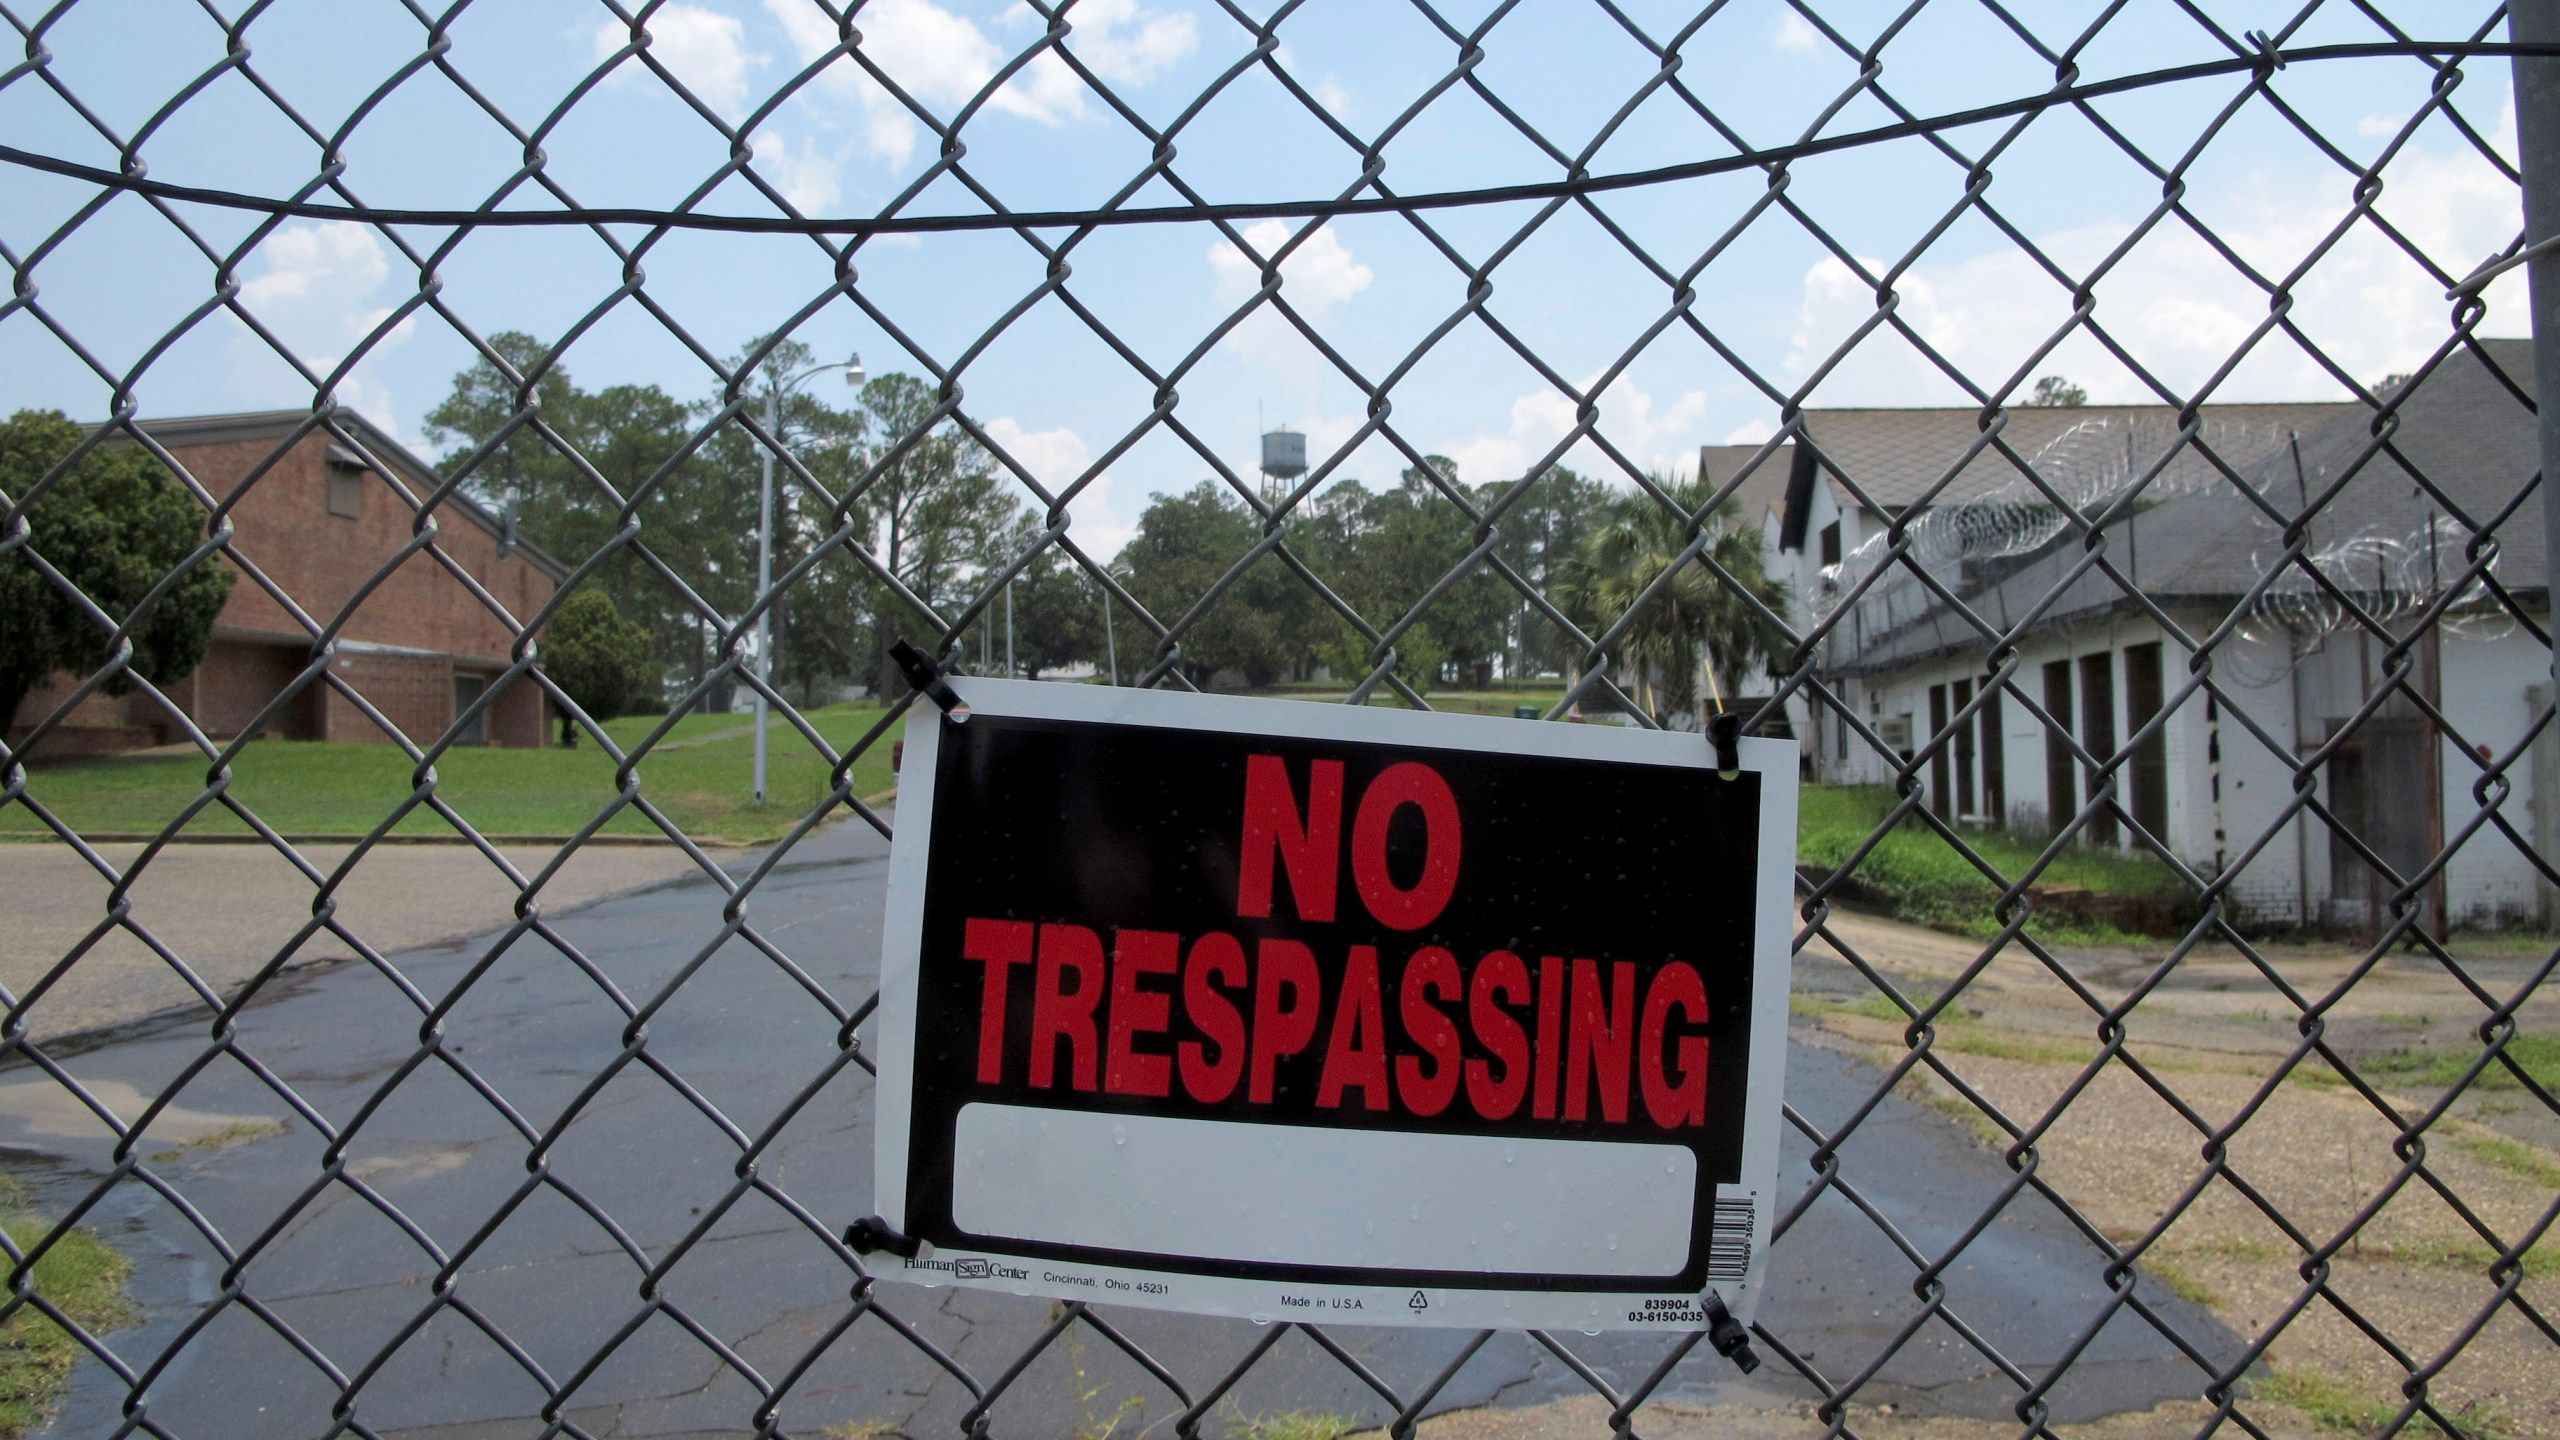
x=2467, y=431
x=369, y=442
x=1764, y=490
x=1895, y=456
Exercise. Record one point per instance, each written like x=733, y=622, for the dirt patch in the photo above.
x=2325, y=1206
x=1581, y=1418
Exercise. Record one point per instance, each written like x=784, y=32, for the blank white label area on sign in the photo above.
x=1392, y=1200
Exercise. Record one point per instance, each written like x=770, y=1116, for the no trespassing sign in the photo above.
x=1296, y=1011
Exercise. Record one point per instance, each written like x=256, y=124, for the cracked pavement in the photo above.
x=746, y=1037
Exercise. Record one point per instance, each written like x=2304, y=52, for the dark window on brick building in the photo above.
x=346, y=484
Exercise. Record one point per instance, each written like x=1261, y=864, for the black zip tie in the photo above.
x=1727, y=1335
x=1725, y=733
x=923, y=675
x=872, y=1233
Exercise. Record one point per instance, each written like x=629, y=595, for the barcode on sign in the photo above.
x=1729, y=1239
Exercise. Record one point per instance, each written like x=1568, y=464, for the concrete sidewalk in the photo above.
x=227, y=909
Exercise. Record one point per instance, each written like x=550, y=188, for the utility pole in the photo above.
x=764, y=571
x=853, y=376
x=2537, y=95
x=1111, y=643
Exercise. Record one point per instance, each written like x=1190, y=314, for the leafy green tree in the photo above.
x=1541, y=532
x=600, y=659
x=937, y=511
x=1696, y=617
x=627, y=435
x=2055, y=391
x=1184, y=544
x=1390, y=549
x=1057, y=613
x=114, y=525
x=818, y=620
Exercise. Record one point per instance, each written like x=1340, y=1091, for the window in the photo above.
x=1831, y=543
x=346, y=483
x=2098, y=732
x=1995, y=767
x=1939, y=800
x=2061, y=771
x=1959, y=695
x=2150, y=757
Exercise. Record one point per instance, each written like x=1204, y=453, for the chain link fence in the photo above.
x=2291, y=667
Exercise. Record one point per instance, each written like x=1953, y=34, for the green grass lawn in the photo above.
x=84, y=1276
x=2435, y=1067
x=701, y=775
x=1925, y=879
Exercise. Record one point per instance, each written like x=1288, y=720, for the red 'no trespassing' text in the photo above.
x=1569, y=1038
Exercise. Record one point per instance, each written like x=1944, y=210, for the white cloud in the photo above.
x=316, y=290
x=2179, y=307
x=944, y=59
x=1333, y=97
x=1795, y=35
x=1317, y=276
x=1056, y=458
x=1657, y=436
x=2376, y=127
x=810, y=178
x=1750, y=432
x=1128, y=45
x=304, y=262
x=705, y=50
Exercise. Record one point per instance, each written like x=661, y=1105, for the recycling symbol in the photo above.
x=1417, y=1302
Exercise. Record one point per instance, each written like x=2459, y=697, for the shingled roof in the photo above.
x=1894, y=457
x=2467, y=430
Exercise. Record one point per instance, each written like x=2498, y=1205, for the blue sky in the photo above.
x=1375, y=286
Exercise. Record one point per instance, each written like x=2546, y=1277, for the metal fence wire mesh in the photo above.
x=524, y=1180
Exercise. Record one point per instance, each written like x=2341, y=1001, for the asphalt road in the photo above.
x=747, y=1037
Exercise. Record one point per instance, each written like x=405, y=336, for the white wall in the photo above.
x=2485, y=684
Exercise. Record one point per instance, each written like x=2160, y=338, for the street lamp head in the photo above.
x=853, y=375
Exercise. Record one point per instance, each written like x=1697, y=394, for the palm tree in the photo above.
x=1696, y=617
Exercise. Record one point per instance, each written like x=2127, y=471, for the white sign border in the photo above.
x=901, y=951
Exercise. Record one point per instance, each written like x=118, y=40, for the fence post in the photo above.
x=2537, y=89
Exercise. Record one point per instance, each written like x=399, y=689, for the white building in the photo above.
x=2110, y=653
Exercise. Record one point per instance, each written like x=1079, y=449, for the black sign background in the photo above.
x=1113, y=826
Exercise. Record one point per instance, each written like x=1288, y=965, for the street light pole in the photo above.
x=853, y=376
x=764, y=574
x=1111, y=644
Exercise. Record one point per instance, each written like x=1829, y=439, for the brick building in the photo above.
x=320, y=516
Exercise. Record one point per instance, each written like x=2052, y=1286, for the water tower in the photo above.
x=1284, y=459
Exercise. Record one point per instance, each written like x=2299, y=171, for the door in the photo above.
x=466, y=690
x=2379, y=792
